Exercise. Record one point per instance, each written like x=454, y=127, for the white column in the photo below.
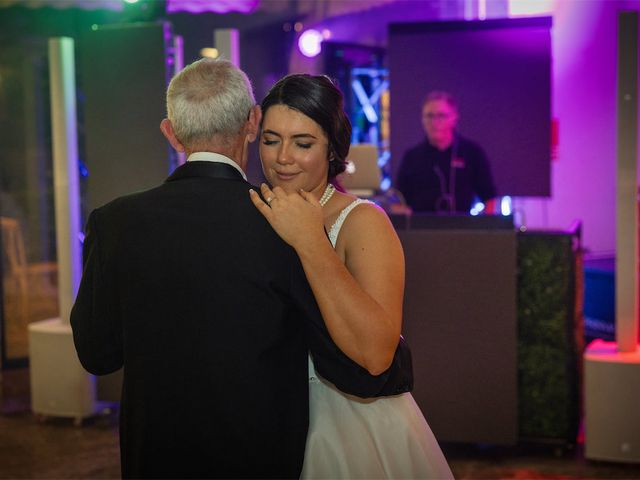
x=65, y=170
x=612, y=370
x=627, y=185
x=59, y=384
x=227, y=41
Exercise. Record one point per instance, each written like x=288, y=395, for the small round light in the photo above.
x=310, y=43
x=209, y=52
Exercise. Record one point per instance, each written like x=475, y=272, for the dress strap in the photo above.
x=335, y=228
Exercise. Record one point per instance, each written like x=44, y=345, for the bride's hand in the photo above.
x=296, y=217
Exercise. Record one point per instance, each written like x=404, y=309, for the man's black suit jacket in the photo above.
x=188, y=287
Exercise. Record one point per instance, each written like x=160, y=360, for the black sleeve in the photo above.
x=96, y=325
x=483, y=179
x=331, y=363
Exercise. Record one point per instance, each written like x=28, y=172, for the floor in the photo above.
x=54, y=448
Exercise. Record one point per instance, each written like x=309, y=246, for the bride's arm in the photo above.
x=361, y=299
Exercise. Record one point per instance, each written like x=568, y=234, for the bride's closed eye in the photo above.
x=268, y=142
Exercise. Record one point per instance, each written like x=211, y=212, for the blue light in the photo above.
x=367, y=108
x=384, y=158
x=477, y=209
x=82, y=168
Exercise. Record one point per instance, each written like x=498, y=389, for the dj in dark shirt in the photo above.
x=445, y=172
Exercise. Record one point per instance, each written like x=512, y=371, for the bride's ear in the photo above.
x=253, y=122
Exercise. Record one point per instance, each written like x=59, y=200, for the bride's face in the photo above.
x=293, y=150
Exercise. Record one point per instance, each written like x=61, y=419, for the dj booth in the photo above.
x=460, y=321
x=492, y=318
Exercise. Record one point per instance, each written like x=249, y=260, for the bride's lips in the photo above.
x=285, y=177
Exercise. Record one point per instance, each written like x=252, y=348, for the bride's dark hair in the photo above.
x=317, y=97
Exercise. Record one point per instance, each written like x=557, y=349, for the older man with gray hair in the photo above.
x=189, y=289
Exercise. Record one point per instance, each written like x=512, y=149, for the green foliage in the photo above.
x=548, y=405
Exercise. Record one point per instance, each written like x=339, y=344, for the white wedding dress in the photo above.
x=353, y=438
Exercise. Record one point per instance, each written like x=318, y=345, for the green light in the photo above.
x=130, y=1
x=94, y=27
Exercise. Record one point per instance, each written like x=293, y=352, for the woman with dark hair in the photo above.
x=358, y=281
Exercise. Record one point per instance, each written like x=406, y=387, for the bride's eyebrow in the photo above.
x=271, y=132
x=295, y=135
x=303, y=135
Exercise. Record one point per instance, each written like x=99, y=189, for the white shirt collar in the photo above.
x=215, y=157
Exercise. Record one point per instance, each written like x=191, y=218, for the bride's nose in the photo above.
x=284, y=156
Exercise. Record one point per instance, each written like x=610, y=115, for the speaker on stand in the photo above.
x=612, y=369
x=59, y=384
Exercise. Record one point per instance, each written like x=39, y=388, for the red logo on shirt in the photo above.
x=457, y=162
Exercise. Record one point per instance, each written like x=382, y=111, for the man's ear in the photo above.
x=253, y=122
x=167, y=130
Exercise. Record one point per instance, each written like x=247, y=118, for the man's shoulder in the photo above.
x=416, y=152
x=470, y=146
x=418, y=147
x=168, y=190
x=128, y=201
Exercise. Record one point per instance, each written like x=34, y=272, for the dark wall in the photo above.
x=500, y=73
x=264, y=56
x=124, y=78
x=265, y=48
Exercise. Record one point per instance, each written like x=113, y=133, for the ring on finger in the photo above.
x=269, y=200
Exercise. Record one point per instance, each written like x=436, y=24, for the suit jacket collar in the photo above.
x=205, y=169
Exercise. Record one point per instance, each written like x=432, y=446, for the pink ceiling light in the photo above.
x=214, y=6
x=310, y=43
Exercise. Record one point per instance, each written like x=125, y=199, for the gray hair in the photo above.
x=209, y=99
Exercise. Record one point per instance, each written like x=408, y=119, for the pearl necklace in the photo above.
x=328, y=193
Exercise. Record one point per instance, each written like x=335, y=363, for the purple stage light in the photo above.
x=215, y=6
x=310, y=43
